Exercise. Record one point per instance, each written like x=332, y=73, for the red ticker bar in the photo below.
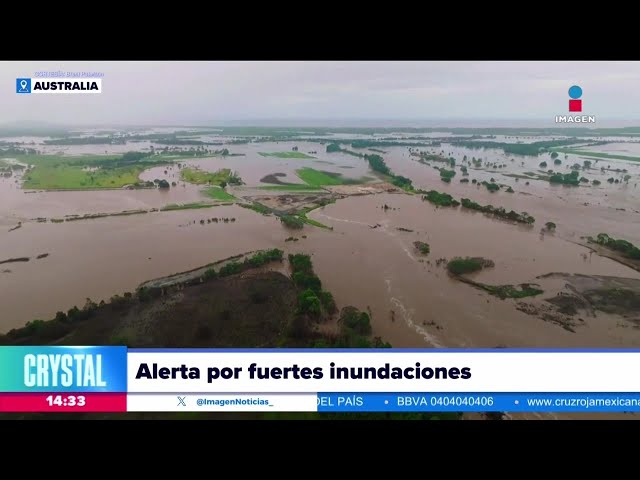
x=63, y=402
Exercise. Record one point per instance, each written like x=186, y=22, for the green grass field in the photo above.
x=201, y=177
x=285, y=154
x=611, y=156
x=50, y=177
x=53, y=160
x=218, y=193
x=317, y=178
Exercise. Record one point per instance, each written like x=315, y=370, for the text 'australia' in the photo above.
x=67, y=86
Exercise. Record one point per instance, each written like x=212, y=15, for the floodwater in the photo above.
x=577, y=211
x=413, y=302
x=17, y=205
x=371, y=268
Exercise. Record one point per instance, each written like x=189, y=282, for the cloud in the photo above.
x=215, y=92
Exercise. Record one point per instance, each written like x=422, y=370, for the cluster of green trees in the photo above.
x=532, y=149
x=422, y=247
x=492, y=187
x=499, y=212
x=459, y=266
x=628, y=249
x=566, y=178
x=353, y=319
x=256, y=260
x=377, y=164
x=402, y=182
x=292, y=221
x=312, y=298
x=440, y=199
x=447, y=175
x=257, y=207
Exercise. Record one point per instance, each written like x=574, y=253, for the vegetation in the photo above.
x=627, y=249
x=259, y=259
x=447, y=175
x=291, y=221
x=218, y=193
x=612, y=156
x=492, y=187
x=292, y=154
x=531, y=149
x=355, y=321
x=422, y=247
x=302, y=215
x=550, y=226
x=460, y=266
x=62, y=177
x=221, y=177
x=498, y=212
x=505, y=291
x=312, y=299
x=440, y=199
x=81, y=172
x=186, y=206
x=565, y=178
x=317, y=178
x=257, y=207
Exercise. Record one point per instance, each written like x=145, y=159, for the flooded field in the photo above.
x=368, y=259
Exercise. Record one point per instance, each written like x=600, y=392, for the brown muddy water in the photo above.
x=577, y=211
x=412, y=303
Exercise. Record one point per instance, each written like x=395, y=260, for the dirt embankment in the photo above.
x=585, y=296
x=611, y=254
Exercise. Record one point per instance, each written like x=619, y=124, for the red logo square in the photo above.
x=575, y=105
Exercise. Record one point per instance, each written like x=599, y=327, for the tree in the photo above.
x=554, y=154
x=550, y=226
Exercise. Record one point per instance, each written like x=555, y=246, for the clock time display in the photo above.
x=66, y=400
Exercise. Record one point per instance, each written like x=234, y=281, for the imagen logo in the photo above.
x=39, y=85
x=575, y=105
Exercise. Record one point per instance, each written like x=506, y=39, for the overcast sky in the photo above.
x=208, y=93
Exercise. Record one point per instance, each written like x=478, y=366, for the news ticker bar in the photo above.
x=322, y=402
x=118, y=379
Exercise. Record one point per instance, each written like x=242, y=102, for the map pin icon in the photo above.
x=23, y=84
